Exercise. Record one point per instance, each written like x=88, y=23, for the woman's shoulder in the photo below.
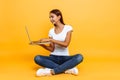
x=68, y=27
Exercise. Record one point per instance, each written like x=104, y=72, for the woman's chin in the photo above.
x=54, y=23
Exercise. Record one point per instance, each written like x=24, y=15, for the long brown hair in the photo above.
x=58, y=13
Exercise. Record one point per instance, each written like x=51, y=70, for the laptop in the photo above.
x=31, y=40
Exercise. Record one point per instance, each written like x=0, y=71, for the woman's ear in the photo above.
x=59, y=17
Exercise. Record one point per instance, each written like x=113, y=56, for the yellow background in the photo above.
x=96, y=35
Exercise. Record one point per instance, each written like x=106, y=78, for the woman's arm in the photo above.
x=50, y=47
x=63, y=43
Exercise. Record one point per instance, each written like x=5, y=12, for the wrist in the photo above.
x=51, y=40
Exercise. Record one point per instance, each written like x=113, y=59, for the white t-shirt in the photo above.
x=59, y=50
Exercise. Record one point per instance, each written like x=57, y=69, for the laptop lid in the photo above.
x=27, y=33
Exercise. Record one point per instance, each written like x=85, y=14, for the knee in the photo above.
x=37, y=58
x=79, y=58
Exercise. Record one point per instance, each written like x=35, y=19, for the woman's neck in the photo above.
x=59, y=25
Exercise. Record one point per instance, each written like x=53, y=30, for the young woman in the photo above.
x=59, y=60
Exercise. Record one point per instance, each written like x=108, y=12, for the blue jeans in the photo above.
x=58, y=63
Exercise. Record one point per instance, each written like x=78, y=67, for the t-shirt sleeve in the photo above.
x=69, y=28
x=50, y=33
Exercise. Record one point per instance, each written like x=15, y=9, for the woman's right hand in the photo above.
x=36, y=43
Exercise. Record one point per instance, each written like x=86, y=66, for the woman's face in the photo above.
x=54, y=18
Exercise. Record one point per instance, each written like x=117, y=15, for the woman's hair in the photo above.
x=58, y=13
